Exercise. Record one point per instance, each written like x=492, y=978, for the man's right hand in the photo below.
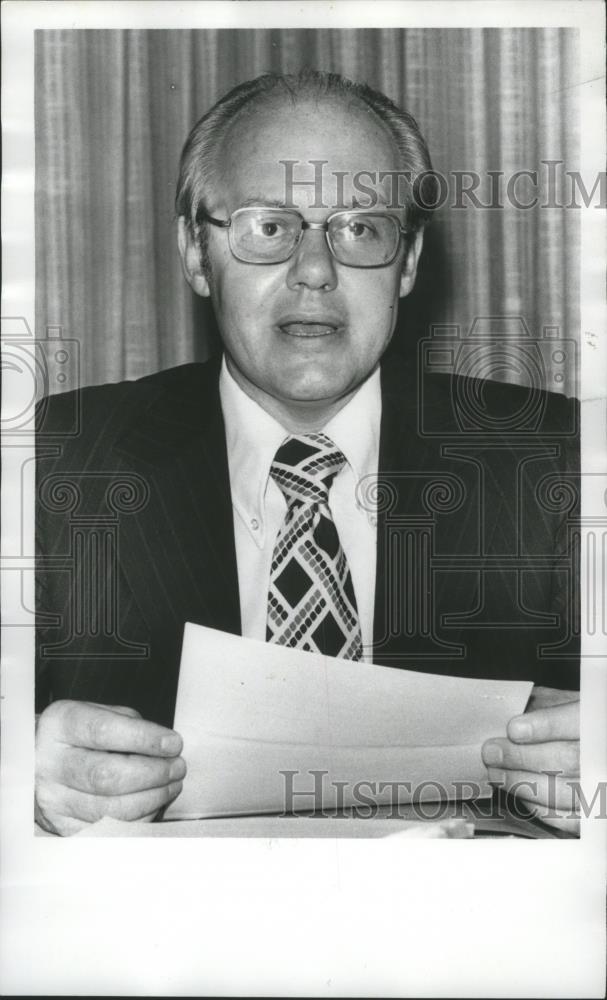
x=101, y=760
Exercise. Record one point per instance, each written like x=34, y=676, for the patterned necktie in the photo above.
x=311, y=602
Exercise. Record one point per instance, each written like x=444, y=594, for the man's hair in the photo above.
x=197, y=168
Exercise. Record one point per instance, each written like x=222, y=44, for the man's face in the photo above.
x=308, y=331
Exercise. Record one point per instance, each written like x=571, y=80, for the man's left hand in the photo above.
x=545, y=740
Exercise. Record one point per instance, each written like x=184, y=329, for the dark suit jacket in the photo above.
x=476, y=567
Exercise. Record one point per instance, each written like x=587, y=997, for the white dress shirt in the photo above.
x=259, y=507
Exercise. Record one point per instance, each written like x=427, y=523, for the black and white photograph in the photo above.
x=303, y=354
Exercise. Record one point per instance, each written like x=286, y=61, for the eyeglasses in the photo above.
x=357, y=238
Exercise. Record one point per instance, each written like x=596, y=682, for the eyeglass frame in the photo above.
x=324, y=226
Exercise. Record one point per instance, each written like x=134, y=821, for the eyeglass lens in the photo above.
x=266, y=236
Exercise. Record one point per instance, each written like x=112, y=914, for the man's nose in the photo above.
x=312, y=265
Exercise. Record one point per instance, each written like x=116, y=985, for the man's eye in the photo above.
x=270, y=228
x=359, y=229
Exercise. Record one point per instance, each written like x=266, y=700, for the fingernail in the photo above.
x=518, y=729
x=496, y=777
x=171, y=744
x=492, y=753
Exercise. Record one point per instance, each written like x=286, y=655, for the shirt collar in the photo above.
x=355, y=429
x=253, y=438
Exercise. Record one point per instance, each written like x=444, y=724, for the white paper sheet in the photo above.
x=299, y=827
x=250, y=711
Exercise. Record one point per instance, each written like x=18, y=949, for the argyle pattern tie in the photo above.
x=311, y=602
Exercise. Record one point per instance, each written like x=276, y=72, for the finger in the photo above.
x=564, y=822
x=558, y=722
x=149, y=818
x=101, y=773
x=543, y=697
x=540, y=789
x=121, y=709
x=561, y=819
x=84, y=725
x=90, y=808
x=563, y=756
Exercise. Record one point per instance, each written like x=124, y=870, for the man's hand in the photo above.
x=545, y=739
x=101, y=760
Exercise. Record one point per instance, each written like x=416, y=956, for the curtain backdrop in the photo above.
x=113, y=109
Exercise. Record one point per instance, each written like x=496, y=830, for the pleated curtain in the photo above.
x=114, y=107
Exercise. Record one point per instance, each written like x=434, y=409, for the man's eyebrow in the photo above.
x=261, y=202
x=379, y=203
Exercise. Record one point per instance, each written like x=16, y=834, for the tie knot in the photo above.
x=305, y=466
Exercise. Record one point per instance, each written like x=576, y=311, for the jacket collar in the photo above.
x=181, y=550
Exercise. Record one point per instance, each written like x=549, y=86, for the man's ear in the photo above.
x=191, y=263
x=409, y=272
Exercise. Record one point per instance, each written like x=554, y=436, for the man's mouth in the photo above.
x=318, y=326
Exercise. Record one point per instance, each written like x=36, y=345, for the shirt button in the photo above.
x=373, y=520
x=254, y=523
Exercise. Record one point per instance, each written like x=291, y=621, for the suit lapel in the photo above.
x=409, y=463
x=178, y=554
x=400, y=453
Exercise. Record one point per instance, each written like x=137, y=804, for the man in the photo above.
x=236, y=494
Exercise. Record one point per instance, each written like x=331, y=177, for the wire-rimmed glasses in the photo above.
x=356, y=238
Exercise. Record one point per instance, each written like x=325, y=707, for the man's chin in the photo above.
x=304, y=393
x=321, y=392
